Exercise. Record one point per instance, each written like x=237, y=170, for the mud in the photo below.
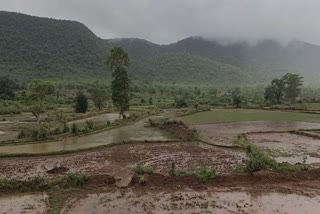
x=120, y=161
x=134, y=132
x=190, y=201
x=226, y=133
x=24, y=203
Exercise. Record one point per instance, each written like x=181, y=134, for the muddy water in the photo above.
x=24, y=203
x=195, y=202
x=134, y=132
x=226, y=133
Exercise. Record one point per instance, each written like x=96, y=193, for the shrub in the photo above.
x=76, y=180
x=173, y=171
x=21, y=134
x=205, y=175
x=74, y=128
x=108, y=122
x=65, y=128
x=142, y=170
x=89, y=125
x=142, y=179
x=81, y=103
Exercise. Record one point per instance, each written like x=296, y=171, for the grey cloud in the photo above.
x=167, y=21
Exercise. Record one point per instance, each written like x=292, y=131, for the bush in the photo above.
x=142, y=179
x=142, y=170
x=173, y=171
x=21, y=134
x=74, y=128
x=76, y=180
x=89, y=125
x=65, y=128
x=81, y=103
x=108, y=122
x=205, y=175
x=39, y=134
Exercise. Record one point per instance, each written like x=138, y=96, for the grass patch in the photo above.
x=143, y=170
x=203, y=174
x=40, y=183
x=238, y=115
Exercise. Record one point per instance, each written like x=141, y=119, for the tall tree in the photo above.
x=39, y=90
x=118, y=62
x=293, y=83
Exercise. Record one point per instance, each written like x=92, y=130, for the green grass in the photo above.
x=237, y=115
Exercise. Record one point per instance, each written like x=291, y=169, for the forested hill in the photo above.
x=33, y=47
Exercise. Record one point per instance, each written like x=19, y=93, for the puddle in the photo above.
x=134, y=132
x=226, y=133
x=27, y=204
x=194, y=202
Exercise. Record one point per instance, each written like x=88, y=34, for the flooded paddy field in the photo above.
x=288, y=147
x=226, y=133
x=133, y=132
x=119, y=161
x=122, y=202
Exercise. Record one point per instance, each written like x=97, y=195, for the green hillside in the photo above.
x=33, y=47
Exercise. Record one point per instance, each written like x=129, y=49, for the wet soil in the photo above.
x=133, y=132
x=226, y=133
x=24, y=203
x=119, y=161
x=194, y=202
x=261, y=192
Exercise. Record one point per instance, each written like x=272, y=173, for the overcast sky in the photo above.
x=166, y=21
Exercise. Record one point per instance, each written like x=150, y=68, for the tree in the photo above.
x=118, y=62
x=293, y=83
x=276, y=92
x=99, y=96
x=270, y=95
x=236, y=98
x=7, y=87
x=39, y=90
x=81, y=103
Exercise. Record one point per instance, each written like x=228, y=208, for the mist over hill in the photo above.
x=33, y=47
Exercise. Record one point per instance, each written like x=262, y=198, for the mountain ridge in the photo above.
x=49, y=48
